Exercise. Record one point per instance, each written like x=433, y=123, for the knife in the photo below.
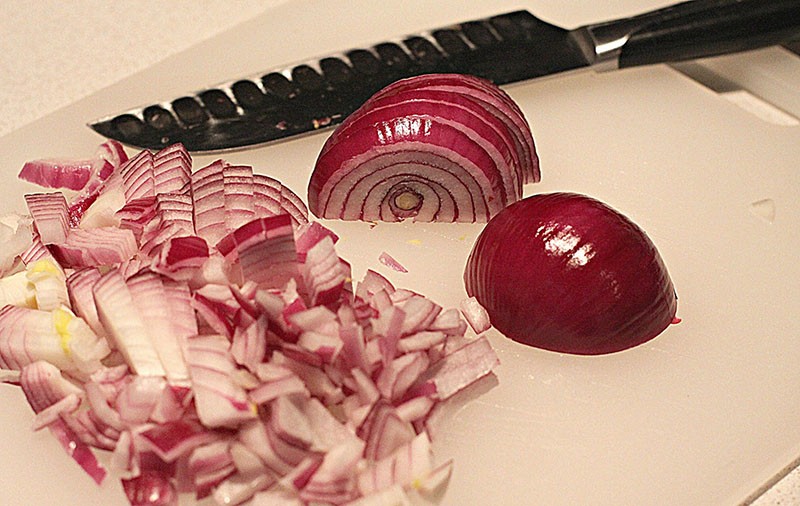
x=507, y=48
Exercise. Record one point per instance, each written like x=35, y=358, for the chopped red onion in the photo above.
x=15, y=238
x=198, y=326
x=44, y=385
x=50, y=216
x=80, y=452
x=126, y=326
x=150, y=489
x=58, y=173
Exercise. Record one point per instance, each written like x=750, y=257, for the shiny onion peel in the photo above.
x=567, y=273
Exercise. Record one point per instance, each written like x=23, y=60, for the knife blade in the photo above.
x=319, y=93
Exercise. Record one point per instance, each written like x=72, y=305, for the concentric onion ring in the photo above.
x=441, y=147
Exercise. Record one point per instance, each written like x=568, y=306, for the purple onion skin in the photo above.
x=567, y=273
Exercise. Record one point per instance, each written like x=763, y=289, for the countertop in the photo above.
x=54, y=53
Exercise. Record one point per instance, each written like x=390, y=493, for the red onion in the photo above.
x=195, y=324
x=428, y=148
x=60, y=173
x=50, y=215
x=567, y=273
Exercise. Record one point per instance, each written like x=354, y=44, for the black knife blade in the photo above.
x=517, y=46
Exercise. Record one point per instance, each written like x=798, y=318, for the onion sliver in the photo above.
x=428, y=148
x=567, y=273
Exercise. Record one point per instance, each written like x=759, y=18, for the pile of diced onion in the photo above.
x=196, y=325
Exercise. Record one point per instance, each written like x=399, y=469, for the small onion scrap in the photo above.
x=434, y=147
x=567, y=273
x=195, y=325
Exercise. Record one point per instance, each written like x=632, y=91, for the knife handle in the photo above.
x=694, y=29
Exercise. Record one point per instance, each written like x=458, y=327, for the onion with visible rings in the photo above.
x=493, y=100
x=443, y=147
x=567, y=273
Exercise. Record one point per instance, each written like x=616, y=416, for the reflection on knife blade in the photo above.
x=320, y=93
x=508, y=48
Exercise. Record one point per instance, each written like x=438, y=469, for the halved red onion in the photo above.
x=567, y=273
x=428, y=148
x=495, y=102
x=127, y=327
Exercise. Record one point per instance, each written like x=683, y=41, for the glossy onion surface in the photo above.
x=567, y=273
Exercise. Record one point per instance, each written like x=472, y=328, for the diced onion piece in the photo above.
x=475, y=314
x=49, y=285
x=217, y=345
x=150, y=489
x=78, y=450
x=15, y=238
x=220, y=402
x=150, y=298
x=50, y=216
x=389, y=261
x=16, y=290
x=172, y=168
x=95, y=247
x=324, y=273
x=463, y=367
x=28, y=335
x=172, y=440
x=44, y=385
x=118, y=314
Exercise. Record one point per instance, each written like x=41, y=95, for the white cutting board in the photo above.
x=707, y=413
